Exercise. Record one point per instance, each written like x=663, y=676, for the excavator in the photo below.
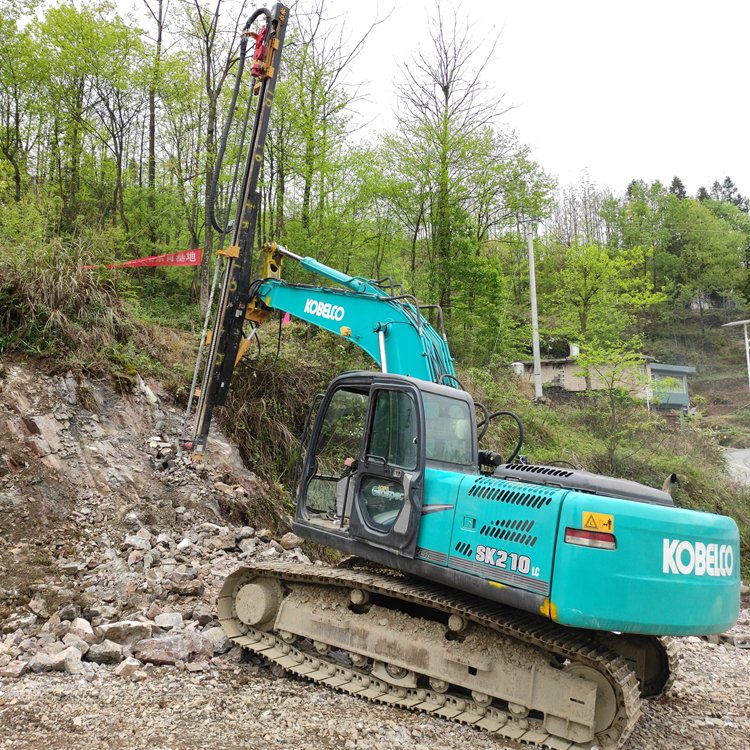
x=537, y=603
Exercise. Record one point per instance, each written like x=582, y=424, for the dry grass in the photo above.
x=51, y=303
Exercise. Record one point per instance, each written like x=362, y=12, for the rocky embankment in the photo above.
x=113, y=547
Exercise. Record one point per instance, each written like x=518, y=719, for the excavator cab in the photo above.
x=362, y=480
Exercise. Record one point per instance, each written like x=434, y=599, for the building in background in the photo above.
x=669, y=386
x=661, y=386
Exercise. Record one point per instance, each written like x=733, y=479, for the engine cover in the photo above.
x=583, y=481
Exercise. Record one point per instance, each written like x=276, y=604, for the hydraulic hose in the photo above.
x=228, y=123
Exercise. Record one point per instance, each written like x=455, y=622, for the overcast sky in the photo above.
x=604, y=89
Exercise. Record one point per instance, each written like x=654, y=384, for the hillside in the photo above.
x=720, y=388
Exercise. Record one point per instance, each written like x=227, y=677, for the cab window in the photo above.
x=447, y=429
x=393, y=437
x=340, y=438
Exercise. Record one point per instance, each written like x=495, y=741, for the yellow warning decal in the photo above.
x=598, y=522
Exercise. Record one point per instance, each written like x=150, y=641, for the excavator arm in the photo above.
x=390, y=329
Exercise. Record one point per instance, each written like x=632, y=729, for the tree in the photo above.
x=614, y=415
x=729, y=194
x=580, y=215
x=585, y=286
x=446, y=105
x=708, y=255
x=183, y=142
x=117, y=99
x=17, y=94
x=600, y=298
x=154, y=84
x=678, y=188
x=217, y=49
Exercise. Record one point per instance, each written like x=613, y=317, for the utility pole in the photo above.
x=744, y=324
x=538, y=393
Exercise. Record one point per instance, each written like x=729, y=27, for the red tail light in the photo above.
x=584, y=538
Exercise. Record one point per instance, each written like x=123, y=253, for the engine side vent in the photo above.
x=464, y=549
x=516, y=531
x=488, y=488
x=547, y=471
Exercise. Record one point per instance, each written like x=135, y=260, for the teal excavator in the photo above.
x=538, y=603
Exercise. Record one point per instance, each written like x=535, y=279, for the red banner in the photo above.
x=181, y=258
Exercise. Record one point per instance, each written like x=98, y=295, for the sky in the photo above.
x=603, y=91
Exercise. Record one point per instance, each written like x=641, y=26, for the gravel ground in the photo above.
x=243, y=706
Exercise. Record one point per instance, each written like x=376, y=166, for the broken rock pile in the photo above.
x=152, y=601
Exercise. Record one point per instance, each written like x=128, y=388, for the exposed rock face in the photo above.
x=112, y=542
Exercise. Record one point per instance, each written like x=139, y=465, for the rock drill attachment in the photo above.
x=221, y=340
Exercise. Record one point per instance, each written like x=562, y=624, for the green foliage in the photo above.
x=700, y=247
x=53, y=304
x=613, y=414
x=162, y=296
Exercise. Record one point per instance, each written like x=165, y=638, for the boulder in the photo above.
x=14, y=669
x=225, y=541
x=130, y=668
x=83, y=630
x=106, y=652
x=290, y=540
x=67, y=660
x=219, y=641
x=131, y=522
x=39, y=607
x=161, y=650
x=188, y=588
x=69, y=612
x=126, y=632
x=248, y=545
x=144, y=533
x=71, y=639
x=137, y=542
x=174, y=647
x=169, y=620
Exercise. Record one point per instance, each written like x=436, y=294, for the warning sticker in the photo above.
x=598, y=522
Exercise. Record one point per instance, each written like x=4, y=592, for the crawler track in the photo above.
x=558, y=644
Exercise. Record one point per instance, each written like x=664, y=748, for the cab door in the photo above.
x=390, y=473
